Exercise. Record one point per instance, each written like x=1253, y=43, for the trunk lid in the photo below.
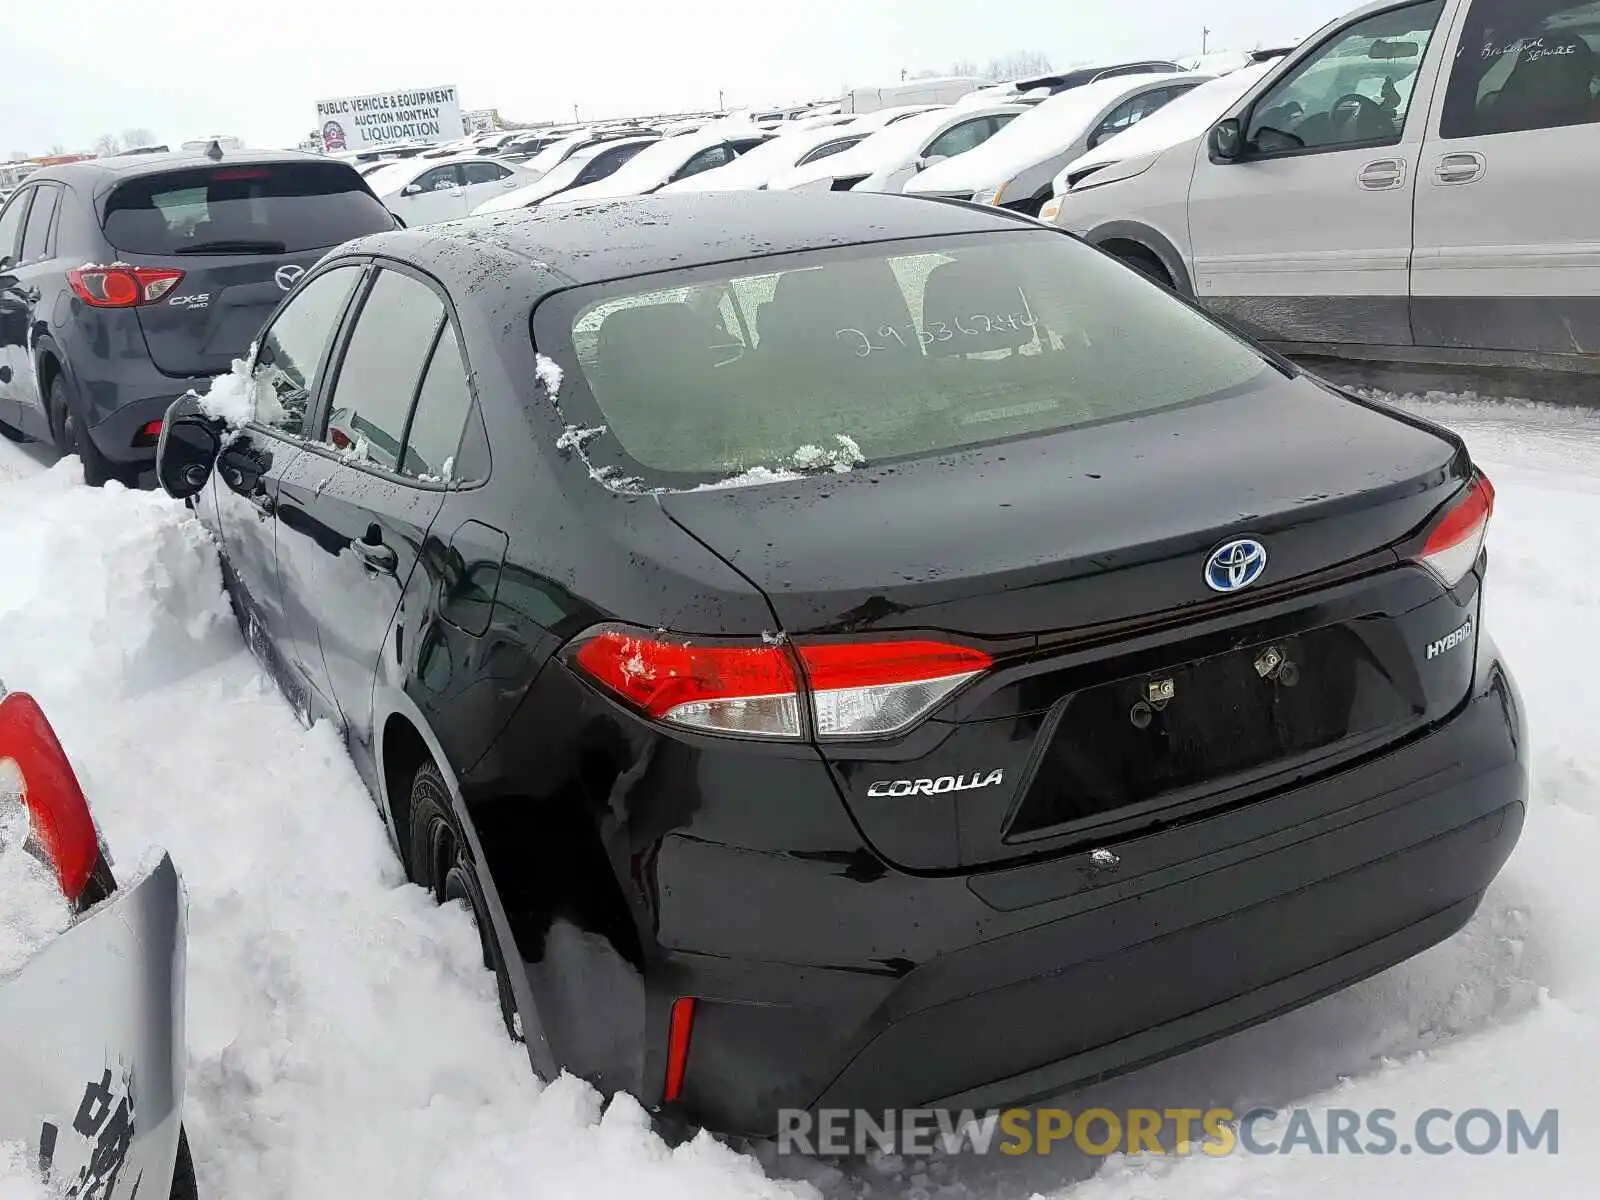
x=243, y=232
x=1078, y=560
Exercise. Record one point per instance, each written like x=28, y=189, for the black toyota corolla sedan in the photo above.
x=862, y=650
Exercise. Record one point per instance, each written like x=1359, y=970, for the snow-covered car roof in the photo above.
x=558, y=177
x=1045, y=129
x=755, y=167
x=896, y=144
x=1186, y=117
x=654, y=164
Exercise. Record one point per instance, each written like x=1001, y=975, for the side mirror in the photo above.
x=931, y=160
x=1227, y=140
x=187, y=449
x=411, y=189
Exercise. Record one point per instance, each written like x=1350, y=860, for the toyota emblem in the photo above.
x=1235, y=565
x=286, y=277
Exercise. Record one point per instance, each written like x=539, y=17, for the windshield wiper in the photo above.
x=234, y=246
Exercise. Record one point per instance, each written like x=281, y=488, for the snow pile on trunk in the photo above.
x=32, y=908
x=18, y=1179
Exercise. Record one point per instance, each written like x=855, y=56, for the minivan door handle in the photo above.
x=1456, y=169
x=1384, y=175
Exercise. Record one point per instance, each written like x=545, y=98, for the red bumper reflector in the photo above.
x=678, y=1044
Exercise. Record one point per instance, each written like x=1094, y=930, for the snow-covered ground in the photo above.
x=344, y=1040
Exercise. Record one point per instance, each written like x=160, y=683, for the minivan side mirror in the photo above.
x=187, y=450
x=1227, y=141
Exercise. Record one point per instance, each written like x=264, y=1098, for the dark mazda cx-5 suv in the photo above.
x=124, y=282
x=863, y=651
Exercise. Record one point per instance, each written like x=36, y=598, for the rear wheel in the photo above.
x=440, y=860
x=72, y=437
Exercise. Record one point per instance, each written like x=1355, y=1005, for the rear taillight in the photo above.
x=35, y=772
x=1457, y=539
x=767, y=690
x=121, y=286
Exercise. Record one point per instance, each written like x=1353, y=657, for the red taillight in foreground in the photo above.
x=1455, y=543
x=58, y=814
x=852, y=689
x=122, y=286
x=678, y=1045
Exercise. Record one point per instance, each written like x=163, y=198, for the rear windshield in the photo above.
x=828, y=360
x=271, y=208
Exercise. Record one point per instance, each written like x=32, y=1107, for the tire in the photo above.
x=184, y=1184
x=1146, y=263
x=439, y=860
x=73, y=438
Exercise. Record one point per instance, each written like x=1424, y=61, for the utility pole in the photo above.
x=721, y=106
x=1205, y=40
x=575, y=120
x=902, y=74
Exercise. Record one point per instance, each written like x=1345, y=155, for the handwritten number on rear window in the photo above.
x=972, y=325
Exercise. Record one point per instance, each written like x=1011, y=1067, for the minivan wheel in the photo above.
x=1145, y=262
x=440, y=861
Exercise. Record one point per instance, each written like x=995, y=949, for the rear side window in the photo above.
x=875, y=354
x=36, y=237
x=441, y=414
x=382, y=368
x=268, y=208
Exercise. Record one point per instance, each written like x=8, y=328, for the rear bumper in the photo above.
x=831, y=985
x=92, y=1037
x=116, y=432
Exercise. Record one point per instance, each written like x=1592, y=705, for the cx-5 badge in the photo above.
x=935, y=787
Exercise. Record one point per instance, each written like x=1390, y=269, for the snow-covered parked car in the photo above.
x=1016, y=168
x=92, y=1049
x=586, y=165
x=671, y=159
x=423, y=191
x=885, y=161
x=783, y=153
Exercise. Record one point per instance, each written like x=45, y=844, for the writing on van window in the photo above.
x=1535, y=47
x=977, y=324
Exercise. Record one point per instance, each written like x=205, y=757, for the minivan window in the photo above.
x=1524, y=64
x=1354, y=90
x=261, y=208
x=886, y=352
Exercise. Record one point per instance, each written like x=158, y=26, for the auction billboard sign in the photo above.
x=389, y=118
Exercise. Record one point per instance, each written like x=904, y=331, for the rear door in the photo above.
x=1507, y=247
x=32, y=298
x=435, y=195
x=243, y=235
x=356, y=508
x=14, y=304
x=483, y=180
x=1307, y=236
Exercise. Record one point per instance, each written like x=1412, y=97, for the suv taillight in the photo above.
x=122, y=286
x=768, y=690
x=1457, y=539
x=35, y=773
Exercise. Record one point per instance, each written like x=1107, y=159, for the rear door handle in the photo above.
x=1456, y=169
x=1383, y=176
x=374, y=555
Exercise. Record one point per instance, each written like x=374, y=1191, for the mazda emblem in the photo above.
x=1236, y=564
x=287, y=276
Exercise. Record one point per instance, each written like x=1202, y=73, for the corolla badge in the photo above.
x=1235, y=565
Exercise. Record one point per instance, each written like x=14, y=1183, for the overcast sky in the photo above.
x=75, y=69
